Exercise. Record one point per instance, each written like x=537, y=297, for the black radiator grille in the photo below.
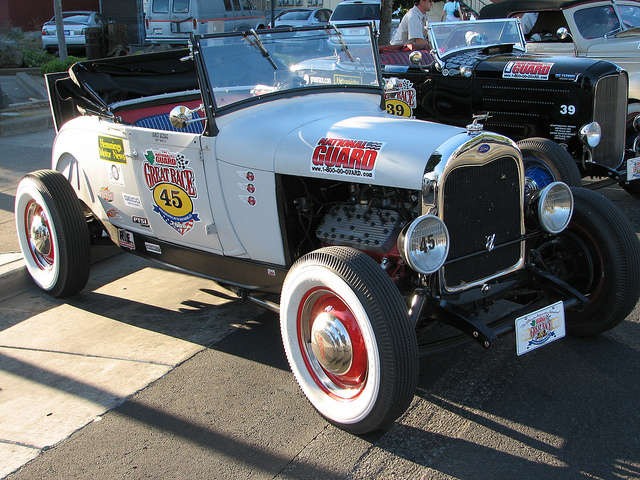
x=610, y=112
x=480, y=203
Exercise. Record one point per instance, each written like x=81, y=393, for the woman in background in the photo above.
x=449, y=11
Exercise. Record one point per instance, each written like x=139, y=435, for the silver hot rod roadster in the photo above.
x=384, y=237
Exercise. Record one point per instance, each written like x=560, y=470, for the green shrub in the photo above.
x=36, y=58
x=58, y=65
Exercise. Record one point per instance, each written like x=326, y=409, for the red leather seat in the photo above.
x=401, y=57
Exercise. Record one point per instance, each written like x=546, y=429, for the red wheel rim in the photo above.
x=38, y=233
x=322, y=317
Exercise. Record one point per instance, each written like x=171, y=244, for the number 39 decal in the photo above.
x=398, y=107
x=567, y=109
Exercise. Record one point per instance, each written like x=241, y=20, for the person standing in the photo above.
x=449, y=11
x=412, y=26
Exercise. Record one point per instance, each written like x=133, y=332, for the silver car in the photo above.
x=75, y=25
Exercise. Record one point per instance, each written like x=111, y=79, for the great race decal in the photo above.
x=346, y=158
x=527, y=70
x=400, y=99
x=173, y=186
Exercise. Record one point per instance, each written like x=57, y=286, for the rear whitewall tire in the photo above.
x=52, y=233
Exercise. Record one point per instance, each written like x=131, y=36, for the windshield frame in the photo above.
x=435, y=29
x=258, y=52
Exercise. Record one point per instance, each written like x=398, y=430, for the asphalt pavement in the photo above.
x=151, y=373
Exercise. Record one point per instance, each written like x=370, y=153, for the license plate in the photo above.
x=355, y=31
x=540, y=328
x=67, y=32
x=633, y=169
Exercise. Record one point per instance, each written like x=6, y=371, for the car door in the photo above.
x=173, y=197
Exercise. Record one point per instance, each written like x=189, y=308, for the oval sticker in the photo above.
x=172, y=200
x=398, y=107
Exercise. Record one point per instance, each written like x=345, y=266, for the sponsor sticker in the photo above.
x=527, y=70
x=142, y=221
x=114, y=215
x=249, y=176
x=346, y=80
x=106, y=194
x=114, y=172
x=249, y=187
x=400, y=98
x=132, y=201
x=250, y=199
x=173, y=186
x=111, y=149
x=153, y=248
x=125, y=239
x=540, y=328
x=346, y=158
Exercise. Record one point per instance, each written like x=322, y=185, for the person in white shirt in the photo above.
x=412, y=26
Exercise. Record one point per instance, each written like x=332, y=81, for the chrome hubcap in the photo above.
x=39, y=236
x=331, y=344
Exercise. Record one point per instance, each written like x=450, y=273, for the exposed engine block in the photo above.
x=360, y=226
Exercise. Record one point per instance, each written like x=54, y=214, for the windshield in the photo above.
x=356, y=11
x=447, y=37
x=597, y=21
x=251, y=65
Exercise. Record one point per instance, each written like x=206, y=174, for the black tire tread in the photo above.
x=397, y=340
x=69, y=219
x=618, y=237
x=564, y=163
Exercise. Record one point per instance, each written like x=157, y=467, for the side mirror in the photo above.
x=182, y=116
x=562, y=33
x=415, y=57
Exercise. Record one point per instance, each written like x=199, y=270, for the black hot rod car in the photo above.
x=380, y=238
x=568, y=115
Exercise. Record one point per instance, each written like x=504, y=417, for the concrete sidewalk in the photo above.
x=28, y=106
x=64, y=363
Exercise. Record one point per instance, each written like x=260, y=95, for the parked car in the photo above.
x=349, y=11
x=172, y=22
x=603, y=29
x=302, y=17
x=544, y=102
x=377, y=238
x=75, y=24
x=267, y=14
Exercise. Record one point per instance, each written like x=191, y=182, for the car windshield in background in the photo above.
x=447, y=37
x=597, y=22
x=356, y=11
x=295, y=15
x=253, y=64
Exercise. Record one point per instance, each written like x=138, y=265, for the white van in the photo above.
x=172, y=21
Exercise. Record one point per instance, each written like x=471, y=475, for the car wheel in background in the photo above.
x=599, y=255
x=546, y=162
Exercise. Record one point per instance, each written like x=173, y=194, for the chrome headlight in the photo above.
x=590, y=134
x=424, y=244
x=555, y=207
